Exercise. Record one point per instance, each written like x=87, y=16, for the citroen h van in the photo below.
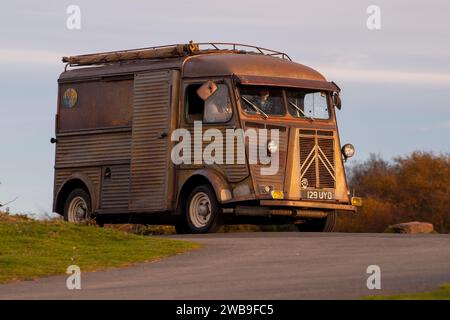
x=122, y=115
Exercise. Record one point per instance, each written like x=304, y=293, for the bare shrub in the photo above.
x=413, y=187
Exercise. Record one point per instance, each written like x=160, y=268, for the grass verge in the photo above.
x=443, y=293
x=30, y=249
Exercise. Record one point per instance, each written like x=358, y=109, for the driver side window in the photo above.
x=215, y=109
x=218, y=106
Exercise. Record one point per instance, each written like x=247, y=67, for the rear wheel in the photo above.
x=77, y=208
x=319, y=225
x=200, y=212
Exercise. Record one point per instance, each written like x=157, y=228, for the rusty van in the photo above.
x=117, y=112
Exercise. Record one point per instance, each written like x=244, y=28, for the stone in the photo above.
x=412, y=227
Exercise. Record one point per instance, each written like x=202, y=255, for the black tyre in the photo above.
x=78, y=208
x=200, y=212
x=319, y=225
x=180, y=227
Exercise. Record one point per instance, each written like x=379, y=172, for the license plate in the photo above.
x=318, y=195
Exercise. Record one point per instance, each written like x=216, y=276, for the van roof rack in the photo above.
x=169, y=51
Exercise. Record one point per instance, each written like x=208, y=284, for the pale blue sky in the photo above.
x=395, y=81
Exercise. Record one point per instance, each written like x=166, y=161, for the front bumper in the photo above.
x=290, y=208
x=309, y=205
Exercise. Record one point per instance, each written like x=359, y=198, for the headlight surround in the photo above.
x=348, y=150
x=272, y=147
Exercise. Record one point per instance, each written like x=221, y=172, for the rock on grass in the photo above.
x=413, y=227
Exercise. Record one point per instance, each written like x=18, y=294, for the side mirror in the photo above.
x=337, y=100
x=206, y=90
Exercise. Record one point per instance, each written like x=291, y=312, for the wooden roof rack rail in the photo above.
x=169, y=51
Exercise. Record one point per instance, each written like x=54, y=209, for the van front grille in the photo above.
x=317, y=161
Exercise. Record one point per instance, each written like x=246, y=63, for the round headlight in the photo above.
x=348, y=150
x=272, y=146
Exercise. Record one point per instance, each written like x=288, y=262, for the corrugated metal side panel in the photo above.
x=150, y=155
x=93, y=173
x=234, y=172
x=115, y=189
x=61, y=175
x=276, y=180
x=93, y=149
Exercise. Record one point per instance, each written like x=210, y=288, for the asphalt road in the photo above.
x=265, y=266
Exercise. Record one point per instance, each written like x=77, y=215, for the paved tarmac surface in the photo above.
x=287, y=265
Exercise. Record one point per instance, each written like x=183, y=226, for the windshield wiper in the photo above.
x=258, y=110
x=300, y=110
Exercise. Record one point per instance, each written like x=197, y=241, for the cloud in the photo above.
x=436, y=126
x=353, y=74
x=350, y=73
x=34, y=57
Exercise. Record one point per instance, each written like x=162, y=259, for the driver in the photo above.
x=265, y=102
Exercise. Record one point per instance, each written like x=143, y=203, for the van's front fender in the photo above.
x=216, y=180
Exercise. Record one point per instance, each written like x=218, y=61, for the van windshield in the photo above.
x=262, y=100
x=308, y=104
x=273, y=101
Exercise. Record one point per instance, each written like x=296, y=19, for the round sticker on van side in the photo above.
x=70, y=97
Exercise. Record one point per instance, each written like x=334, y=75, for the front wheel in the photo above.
x=319, y=225
x=201, y=212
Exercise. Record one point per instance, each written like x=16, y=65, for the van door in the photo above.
x=151, y=185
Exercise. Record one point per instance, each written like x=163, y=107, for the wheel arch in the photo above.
x=76, y=180
x=218, y=184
